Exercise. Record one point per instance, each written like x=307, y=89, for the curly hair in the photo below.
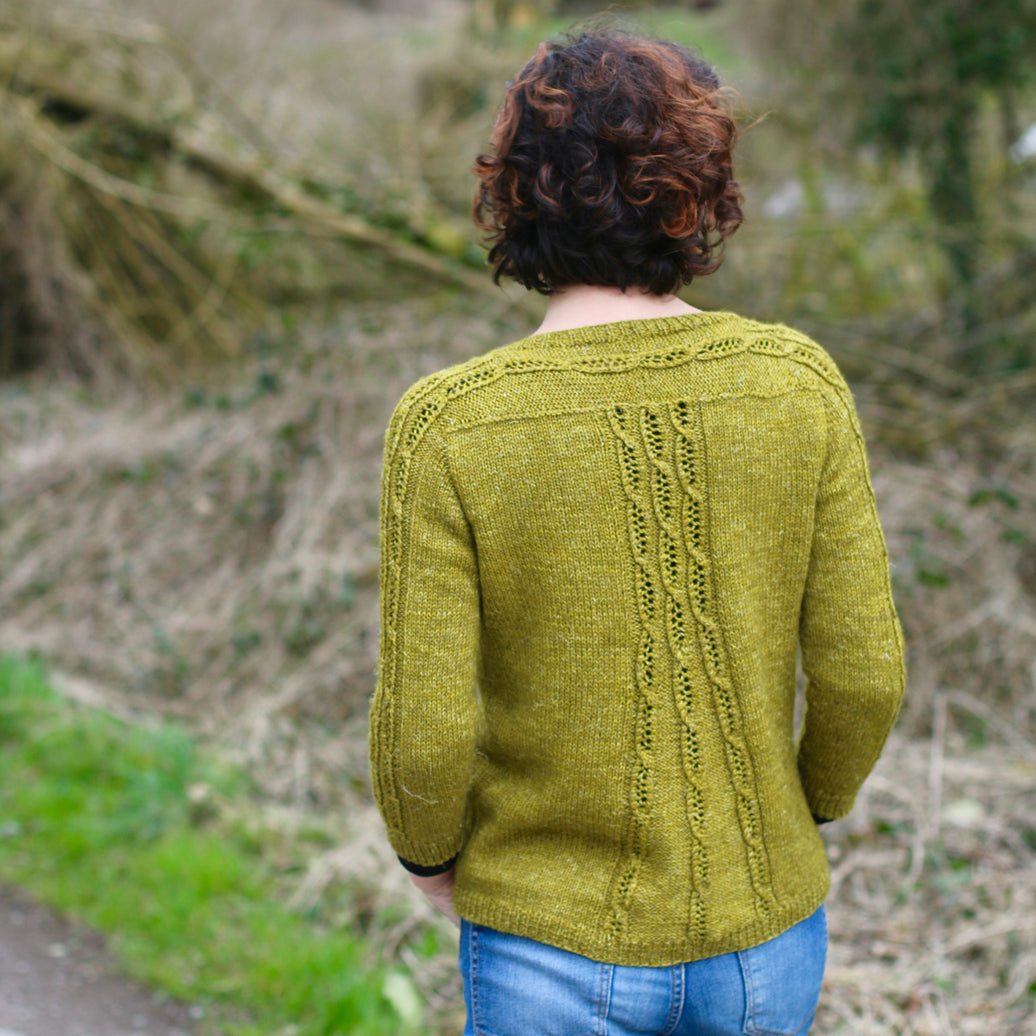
x=610, y=164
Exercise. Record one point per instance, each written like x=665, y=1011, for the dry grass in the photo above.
x=933, y=906
x=154, y=211
x=215, y=554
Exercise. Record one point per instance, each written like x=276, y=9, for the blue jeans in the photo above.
x=518, y=987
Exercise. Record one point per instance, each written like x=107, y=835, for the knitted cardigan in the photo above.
x=601, y=549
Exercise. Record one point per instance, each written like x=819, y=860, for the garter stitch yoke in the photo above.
x=600, y=549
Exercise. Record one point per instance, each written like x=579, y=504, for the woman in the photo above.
x=602, y=547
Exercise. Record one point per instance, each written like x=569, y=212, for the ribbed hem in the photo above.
x=600, y=947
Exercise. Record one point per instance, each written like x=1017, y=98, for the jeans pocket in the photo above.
x=783, y=978
x=515, y=986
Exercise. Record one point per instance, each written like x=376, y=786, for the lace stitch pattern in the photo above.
x=690, y=459
x=635, y=489
x=671, y=501
x=661, y=457
x=644, y=437
x=751, y=337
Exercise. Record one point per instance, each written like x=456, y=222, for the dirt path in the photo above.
x=57, y=979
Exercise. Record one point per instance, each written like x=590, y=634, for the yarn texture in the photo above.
x=602, y=550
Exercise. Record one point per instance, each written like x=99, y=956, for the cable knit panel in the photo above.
x=647, y=585
x=654, y=492
x=601, y=550
x=690, y=453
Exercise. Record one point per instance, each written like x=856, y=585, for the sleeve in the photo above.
x=423, y=713
x=852, y=645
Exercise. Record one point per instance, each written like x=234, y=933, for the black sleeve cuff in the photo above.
x=427, y=872
x=820, y=820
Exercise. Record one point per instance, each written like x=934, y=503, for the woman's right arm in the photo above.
x=852, y=645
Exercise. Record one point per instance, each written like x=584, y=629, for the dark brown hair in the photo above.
x=611, y=164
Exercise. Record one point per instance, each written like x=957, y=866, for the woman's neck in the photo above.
x=579, y=305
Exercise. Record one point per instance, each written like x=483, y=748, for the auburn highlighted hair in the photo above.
x=610, y=164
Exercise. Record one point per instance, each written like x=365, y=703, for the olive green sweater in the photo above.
x=600, y=550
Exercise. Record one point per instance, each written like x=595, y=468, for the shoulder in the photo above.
x=794, y=346
x=811, y=363
x=426, y=406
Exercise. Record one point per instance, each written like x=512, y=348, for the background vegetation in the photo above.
x=132, y=829
x=231, y=236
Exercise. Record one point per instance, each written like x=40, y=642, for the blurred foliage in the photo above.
x=151, y=222
x=927, y=71
x=147, y=225
x=921, y=81
x=494, y=15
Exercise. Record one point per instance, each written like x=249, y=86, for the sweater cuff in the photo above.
x=427, y=872
x=829, y=807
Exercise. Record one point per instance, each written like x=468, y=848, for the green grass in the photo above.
x=97, y=818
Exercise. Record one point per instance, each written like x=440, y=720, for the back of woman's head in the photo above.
x=611, y=164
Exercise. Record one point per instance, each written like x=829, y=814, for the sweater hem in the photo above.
x=626, y=952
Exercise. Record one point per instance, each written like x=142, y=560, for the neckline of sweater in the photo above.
x=629, y=335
